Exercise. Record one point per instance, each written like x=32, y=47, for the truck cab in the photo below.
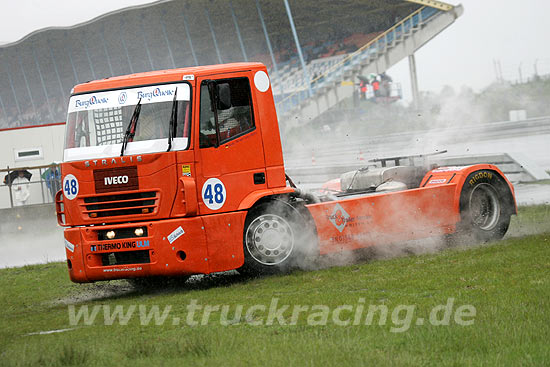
x=158, y=166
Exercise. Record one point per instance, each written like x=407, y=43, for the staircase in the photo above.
x=336, y=84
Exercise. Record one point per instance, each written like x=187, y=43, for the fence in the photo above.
x=38, y=185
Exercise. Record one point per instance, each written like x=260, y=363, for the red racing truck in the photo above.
x=180, y=172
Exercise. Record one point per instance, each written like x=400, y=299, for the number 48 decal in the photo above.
x=213, y=193
x=70, y=187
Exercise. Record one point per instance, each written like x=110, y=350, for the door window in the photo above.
x=221, y=122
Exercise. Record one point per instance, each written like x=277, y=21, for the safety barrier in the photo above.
x=37, y=186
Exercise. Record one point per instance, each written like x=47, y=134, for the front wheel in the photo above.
x=276, y=238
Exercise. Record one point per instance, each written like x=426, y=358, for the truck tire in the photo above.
x=485, y=207
x=277, y=238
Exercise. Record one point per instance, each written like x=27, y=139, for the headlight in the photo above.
x=138, y=232
x=110, y=235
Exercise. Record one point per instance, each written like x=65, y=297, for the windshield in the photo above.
x=96, y=122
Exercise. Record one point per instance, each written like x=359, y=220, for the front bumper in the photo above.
x=167, y=248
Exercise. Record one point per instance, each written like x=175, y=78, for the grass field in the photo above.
x=500, y=292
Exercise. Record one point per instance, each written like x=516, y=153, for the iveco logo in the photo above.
x=112, y=161
x=116, y=180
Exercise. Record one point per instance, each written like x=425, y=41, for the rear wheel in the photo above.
x=485, y=206
x=276, y=239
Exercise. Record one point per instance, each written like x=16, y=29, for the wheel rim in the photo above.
x=484, y=207
x=269, y=239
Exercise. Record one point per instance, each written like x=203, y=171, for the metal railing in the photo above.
x=44, y=182
x=377, y=45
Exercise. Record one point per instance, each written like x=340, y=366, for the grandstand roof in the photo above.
x=37, y=72
x=315, y=18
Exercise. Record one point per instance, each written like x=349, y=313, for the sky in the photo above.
x=515, y=33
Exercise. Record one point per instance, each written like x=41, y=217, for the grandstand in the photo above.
x=337, y=41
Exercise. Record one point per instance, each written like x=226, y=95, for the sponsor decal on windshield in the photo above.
x=129, y=97
x=156, y=93
x=92, y=101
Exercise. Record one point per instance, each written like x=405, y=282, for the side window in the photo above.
x=237, y=119
x=234, y=121
x=207, y=120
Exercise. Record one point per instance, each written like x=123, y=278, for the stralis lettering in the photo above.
x=117, y=180
x=119, y=245
x=106, y=162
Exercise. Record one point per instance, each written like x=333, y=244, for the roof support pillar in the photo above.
x=57, y=72
x=145, y=44
x=89, y=60
x=245, y=57
x=125, y=47
x=268, y=42
x=166, y=40
x=106, y=51
x=213, y=35
x=414, y=81
x=299, y=48
x=189, y=39
x=28, y=87
x=4, y=110
x=43, y=84
x=14, y=95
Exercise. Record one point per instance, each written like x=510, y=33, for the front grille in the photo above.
x=137, y=203
x=125, y=258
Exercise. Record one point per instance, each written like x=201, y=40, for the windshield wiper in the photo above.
x=131, y=130
x=173, y=121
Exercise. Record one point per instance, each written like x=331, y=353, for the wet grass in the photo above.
x=530, y=220
x=507, y=282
